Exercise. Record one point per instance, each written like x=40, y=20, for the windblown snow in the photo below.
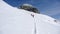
x=19, y=21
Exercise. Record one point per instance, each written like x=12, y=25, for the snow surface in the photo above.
x=19, y=21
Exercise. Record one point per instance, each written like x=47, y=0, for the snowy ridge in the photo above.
x=19, y=21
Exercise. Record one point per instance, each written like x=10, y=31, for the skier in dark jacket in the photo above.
x=29, y=7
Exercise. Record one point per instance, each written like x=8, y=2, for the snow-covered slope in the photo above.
x=19, y=21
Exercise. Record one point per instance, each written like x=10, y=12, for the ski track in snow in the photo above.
x=19, y=21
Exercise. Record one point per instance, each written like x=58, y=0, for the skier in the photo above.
x=29, y=7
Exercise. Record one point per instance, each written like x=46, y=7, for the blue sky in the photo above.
x=48, y=7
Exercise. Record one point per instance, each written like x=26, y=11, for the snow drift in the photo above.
x=19, y=21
